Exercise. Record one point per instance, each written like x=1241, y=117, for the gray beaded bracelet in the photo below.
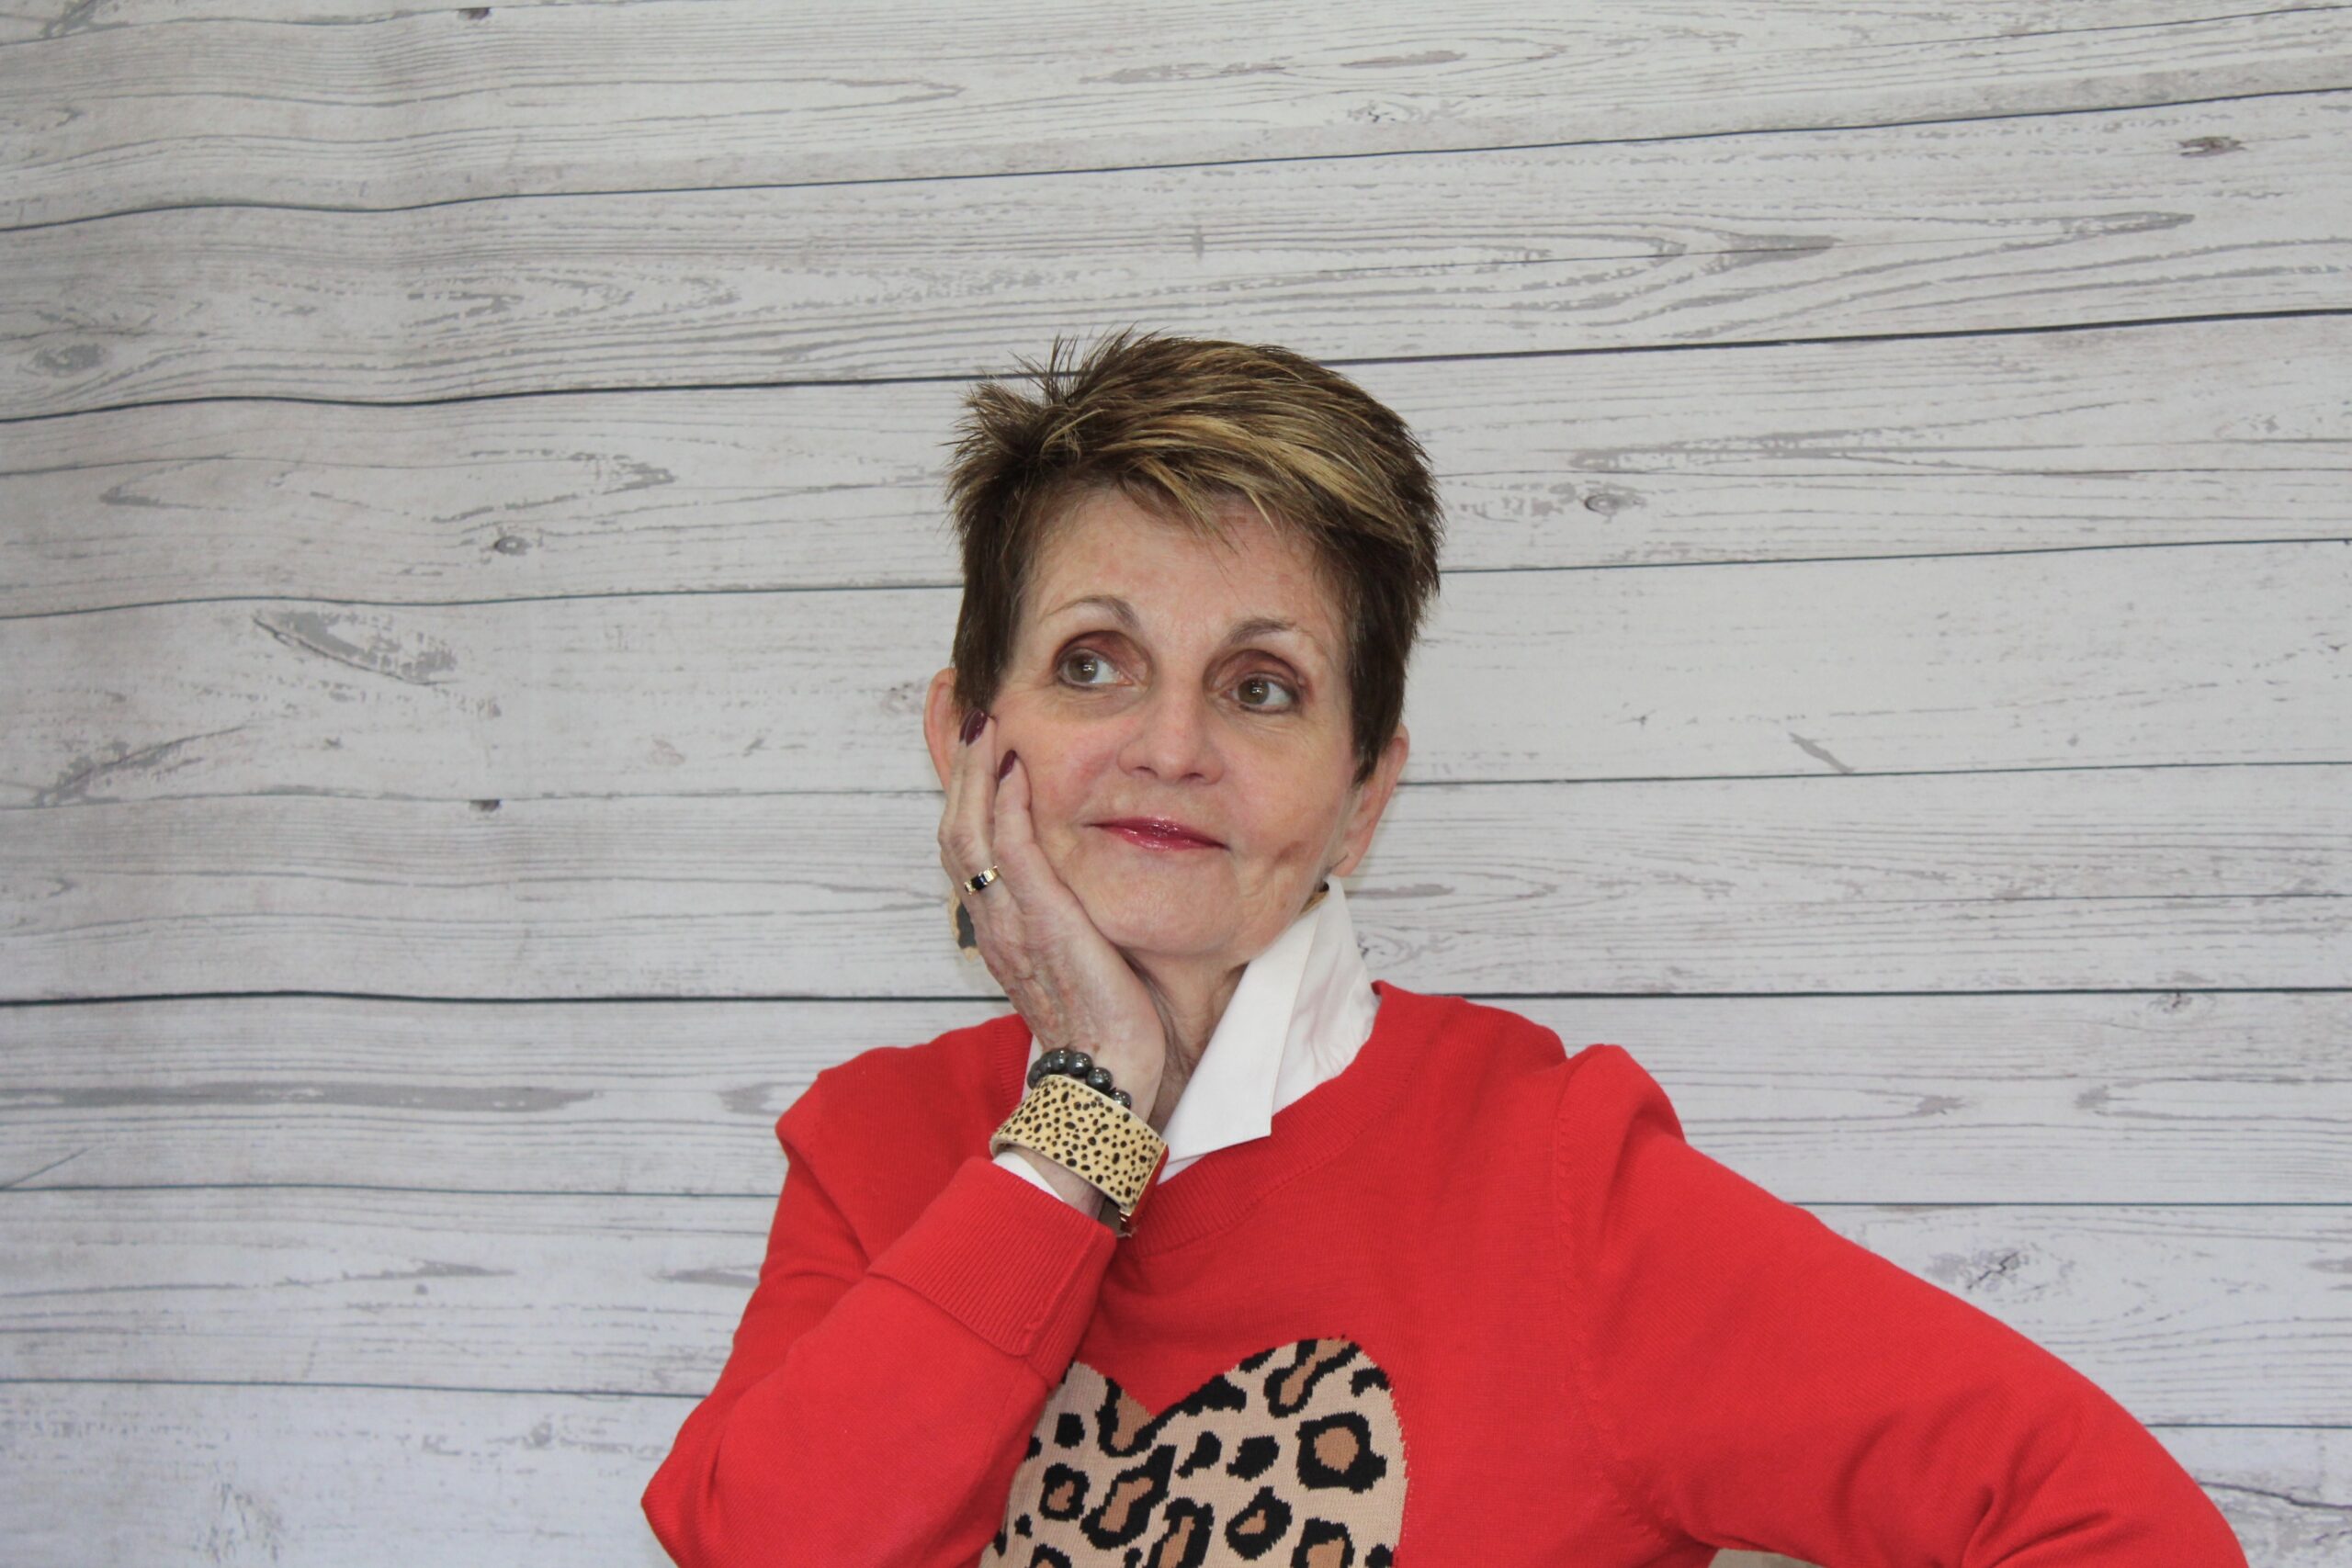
x=1079, y=1065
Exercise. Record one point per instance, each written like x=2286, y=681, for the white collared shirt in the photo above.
x=1300, y=1012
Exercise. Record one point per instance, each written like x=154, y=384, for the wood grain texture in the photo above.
x=2195, y=1316
x=2155, y=878
x=2187, y=655
x=2138, y=1097
x=233, y=107
x=264, y=1474
x=2044, y=222
x=470, y=539
x=242, y=1476
x=1924, y=446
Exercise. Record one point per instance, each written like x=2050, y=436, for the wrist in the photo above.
x=1072, y=1187
x=1098, y=1136
x=1138, y=1085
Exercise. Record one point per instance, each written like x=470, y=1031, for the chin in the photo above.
x=1141, y=920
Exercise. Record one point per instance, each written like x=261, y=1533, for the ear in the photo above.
x=1371, y=799
x=942, y=722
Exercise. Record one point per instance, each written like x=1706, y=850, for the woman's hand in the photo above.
x=1068, y=983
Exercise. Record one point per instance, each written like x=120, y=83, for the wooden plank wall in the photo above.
x=471, y=555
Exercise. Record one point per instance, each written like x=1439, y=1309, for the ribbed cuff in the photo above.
x=1015, y=1263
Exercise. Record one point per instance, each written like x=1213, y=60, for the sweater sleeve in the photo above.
x=1761, y=1383
x=875, y=1411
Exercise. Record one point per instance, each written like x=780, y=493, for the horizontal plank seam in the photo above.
x=1085, y=171
x=920, y=1000
x=836, y=383
x=1405, y=784
x=1444, y=573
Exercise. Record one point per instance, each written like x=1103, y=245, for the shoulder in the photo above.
x=1517, y=1080
x=1504, y=1045
x=884, y=1131
x=1477, y=1036
x=1596, y=1098
x=886, y=1096
x=1623, y=1167
x=1602, y=1085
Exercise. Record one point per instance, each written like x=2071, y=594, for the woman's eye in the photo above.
x=1082, y=666
x=1256, y=684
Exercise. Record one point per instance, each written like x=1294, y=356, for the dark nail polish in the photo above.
x=972, y=723
x=1006, y=766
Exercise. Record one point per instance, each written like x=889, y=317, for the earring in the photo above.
x=968, y=940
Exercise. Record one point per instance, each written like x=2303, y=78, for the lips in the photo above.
x=1160, y=829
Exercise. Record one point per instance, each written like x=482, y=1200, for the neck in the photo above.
x=1191, y=999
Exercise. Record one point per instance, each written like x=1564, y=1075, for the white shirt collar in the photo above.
x=1298, y=1015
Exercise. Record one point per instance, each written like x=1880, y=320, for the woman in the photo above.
x=1294, y=1266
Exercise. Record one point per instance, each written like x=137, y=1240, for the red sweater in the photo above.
x=1473, y=1301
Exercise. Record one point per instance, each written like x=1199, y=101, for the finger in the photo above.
x=968, y=811
x=1012, y=835
x=1009, y=828
x=961, y=777
x=993, y=910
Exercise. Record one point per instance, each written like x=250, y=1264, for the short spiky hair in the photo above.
x=1184, y=426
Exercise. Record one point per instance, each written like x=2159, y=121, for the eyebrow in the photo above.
x=1125, y=614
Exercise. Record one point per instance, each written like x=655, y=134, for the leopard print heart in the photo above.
x=1293, y=1456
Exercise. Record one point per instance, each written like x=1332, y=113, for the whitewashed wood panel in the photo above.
x=2090, y=1098
x=240, y=1476
x=395, y=109
x=244, y=1476
x=2281, y=1489
x=1902, y=446
x=2155, y=878
x=2221, y=654
x=2006, y=20
x=2185, y=1314
x=2153, y=1160
x=2050, y=220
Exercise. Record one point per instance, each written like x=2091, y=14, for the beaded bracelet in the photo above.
x=1079, y=1065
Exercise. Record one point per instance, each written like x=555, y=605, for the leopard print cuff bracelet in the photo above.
x=1076, y=1126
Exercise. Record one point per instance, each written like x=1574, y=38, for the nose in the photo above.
x=1172, y=739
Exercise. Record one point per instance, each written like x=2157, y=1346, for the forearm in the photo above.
x=871, y=1443
x=888, y=1429
x=1765, y=1383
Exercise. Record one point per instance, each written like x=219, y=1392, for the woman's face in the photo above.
x=1218, y=701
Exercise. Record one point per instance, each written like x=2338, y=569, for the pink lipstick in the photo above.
x=1159, y=833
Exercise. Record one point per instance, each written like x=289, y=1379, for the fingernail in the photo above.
x=972, y=723
x=1006, y=766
